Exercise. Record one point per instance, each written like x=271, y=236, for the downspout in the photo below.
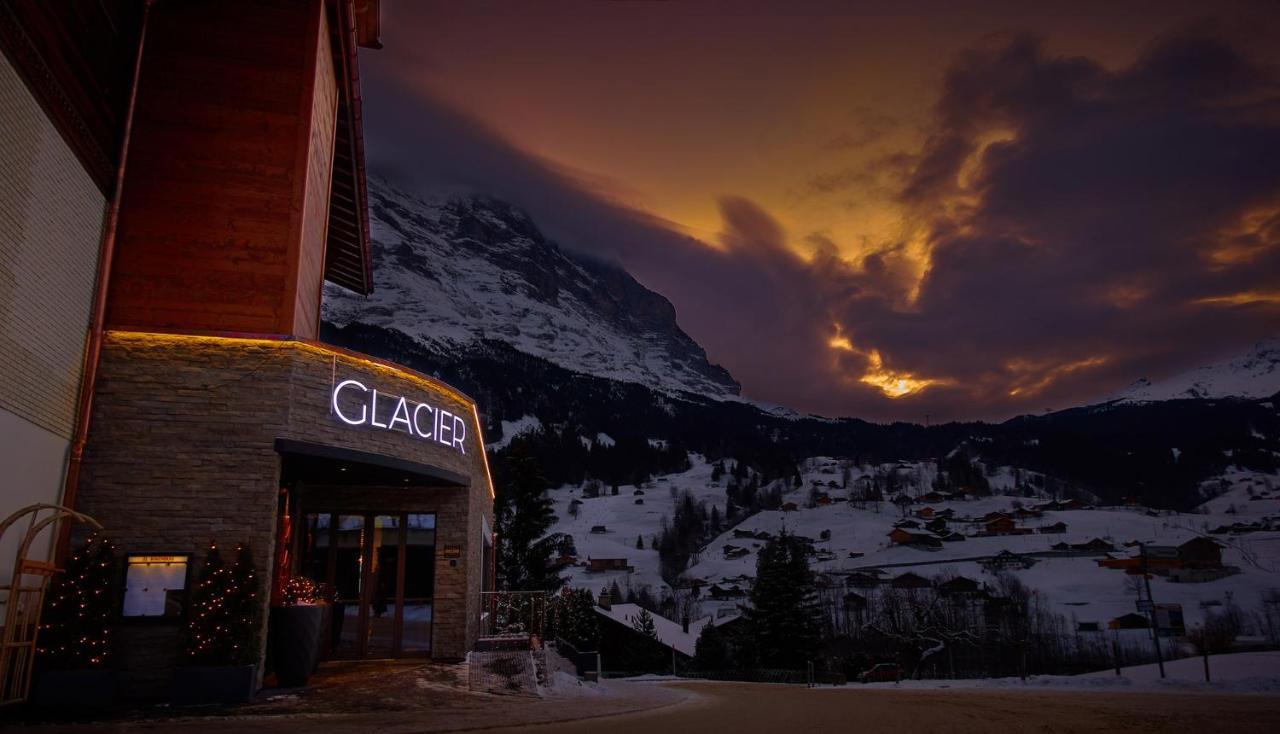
x=93, y=347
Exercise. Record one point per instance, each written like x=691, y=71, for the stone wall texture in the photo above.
x=181, y=452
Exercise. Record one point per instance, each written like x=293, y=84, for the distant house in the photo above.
x=924, y=513
x=640, y=500
x=933, y=497
x=789, y=507
x=1058, y=505
x=825, y=555
x=1002, y=525
x=1197, y=554
x=912, y=524
x=599, y=530
x=598, y=565
x=1200, y=552
x=725, y=593
x=1130, y=621
x=1006, y=559
x=1097, y=545
x=945, y=514
x=910, y=581
x=823, y=500
x=899, y=536
x=638, y=493
x=732, y=552
x=950, y=537
x=1057, y=528
x=936, y=525
x=959, y=586
x=862, y=580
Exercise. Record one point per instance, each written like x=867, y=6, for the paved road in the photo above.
x=744, y=708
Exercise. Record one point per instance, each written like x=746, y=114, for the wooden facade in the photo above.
x=225, y=220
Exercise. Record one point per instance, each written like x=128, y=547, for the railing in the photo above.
x=512, y=615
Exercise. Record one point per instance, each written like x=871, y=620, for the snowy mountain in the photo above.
x=1255, y=374
x=455, y=271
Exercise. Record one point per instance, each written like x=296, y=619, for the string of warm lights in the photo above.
x=222, y=626
x=75, y=627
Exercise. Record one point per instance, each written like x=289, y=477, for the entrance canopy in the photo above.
x=334, y=465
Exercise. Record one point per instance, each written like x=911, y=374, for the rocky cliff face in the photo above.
x=453, y=271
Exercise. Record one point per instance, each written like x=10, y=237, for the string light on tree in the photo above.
x=75, y=628
x=222, y=628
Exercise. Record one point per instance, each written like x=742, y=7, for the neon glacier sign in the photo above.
x=419, y=420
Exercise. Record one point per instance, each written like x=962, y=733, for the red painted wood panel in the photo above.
x=212, y=217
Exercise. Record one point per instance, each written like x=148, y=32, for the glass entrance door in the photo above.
x=381, y=567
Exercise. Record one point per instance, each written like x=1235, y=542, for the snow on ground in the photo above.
x=1246, y=672
x=1075, y=586
x=511, y=429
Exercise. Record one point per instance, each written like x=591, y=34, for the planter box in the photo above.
x=202, y=685
x=294, y=635
x=75, y=689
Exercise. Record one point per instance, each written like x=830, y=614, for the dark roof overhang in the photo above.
x=348, y=261
x=328, y=463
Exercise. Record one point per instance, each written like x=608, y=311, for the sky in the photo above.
x=884, y=210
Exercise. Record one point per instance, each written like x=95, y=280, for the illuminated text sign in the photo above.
x=358, y=405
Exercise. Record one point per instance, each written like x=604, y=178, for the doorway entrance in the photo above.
x=381, y=567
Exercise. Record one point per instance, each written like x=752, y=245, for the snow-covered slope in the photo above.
x=453, y=270
x=1255, y=374
x=850, y=538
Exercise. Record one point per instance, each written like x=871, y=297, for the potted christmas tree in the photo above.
x=73, y=648
x=294, y=631
x=220, y=664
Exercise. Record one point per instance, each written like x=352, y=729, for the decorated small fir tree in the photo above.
x=223, y=627
x=75, y=627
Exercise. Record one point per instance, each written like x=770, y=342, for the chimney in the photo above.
x=605, y=601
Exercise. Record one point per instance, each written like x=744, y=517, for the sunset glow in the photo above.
x=1010, y=184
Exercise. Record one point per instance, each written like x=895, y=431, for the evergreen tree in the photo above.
x=75, y=628
x=783, y=621
x=643, y=623
x=522, y=517
x=571, y=617
x=639, y=542
x=222, y=628
x=711, y=652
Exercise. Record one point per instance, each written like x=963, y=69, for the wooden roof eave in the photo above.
x=348, y=258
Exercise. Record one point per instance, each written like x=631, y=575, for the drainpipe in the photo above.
x=93, y=347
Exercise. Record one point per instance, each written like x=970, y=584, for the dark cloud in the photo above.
x=1094, y=221
x=1079, y=223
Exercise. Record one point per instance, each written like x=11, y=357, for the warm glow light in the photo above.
x=1244, y=298
x=893, y=384
x=841, y=342
x=1031, y=378
x=328, y=352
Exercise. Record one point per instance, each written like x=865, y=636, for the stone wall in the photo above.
x=181, y=452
